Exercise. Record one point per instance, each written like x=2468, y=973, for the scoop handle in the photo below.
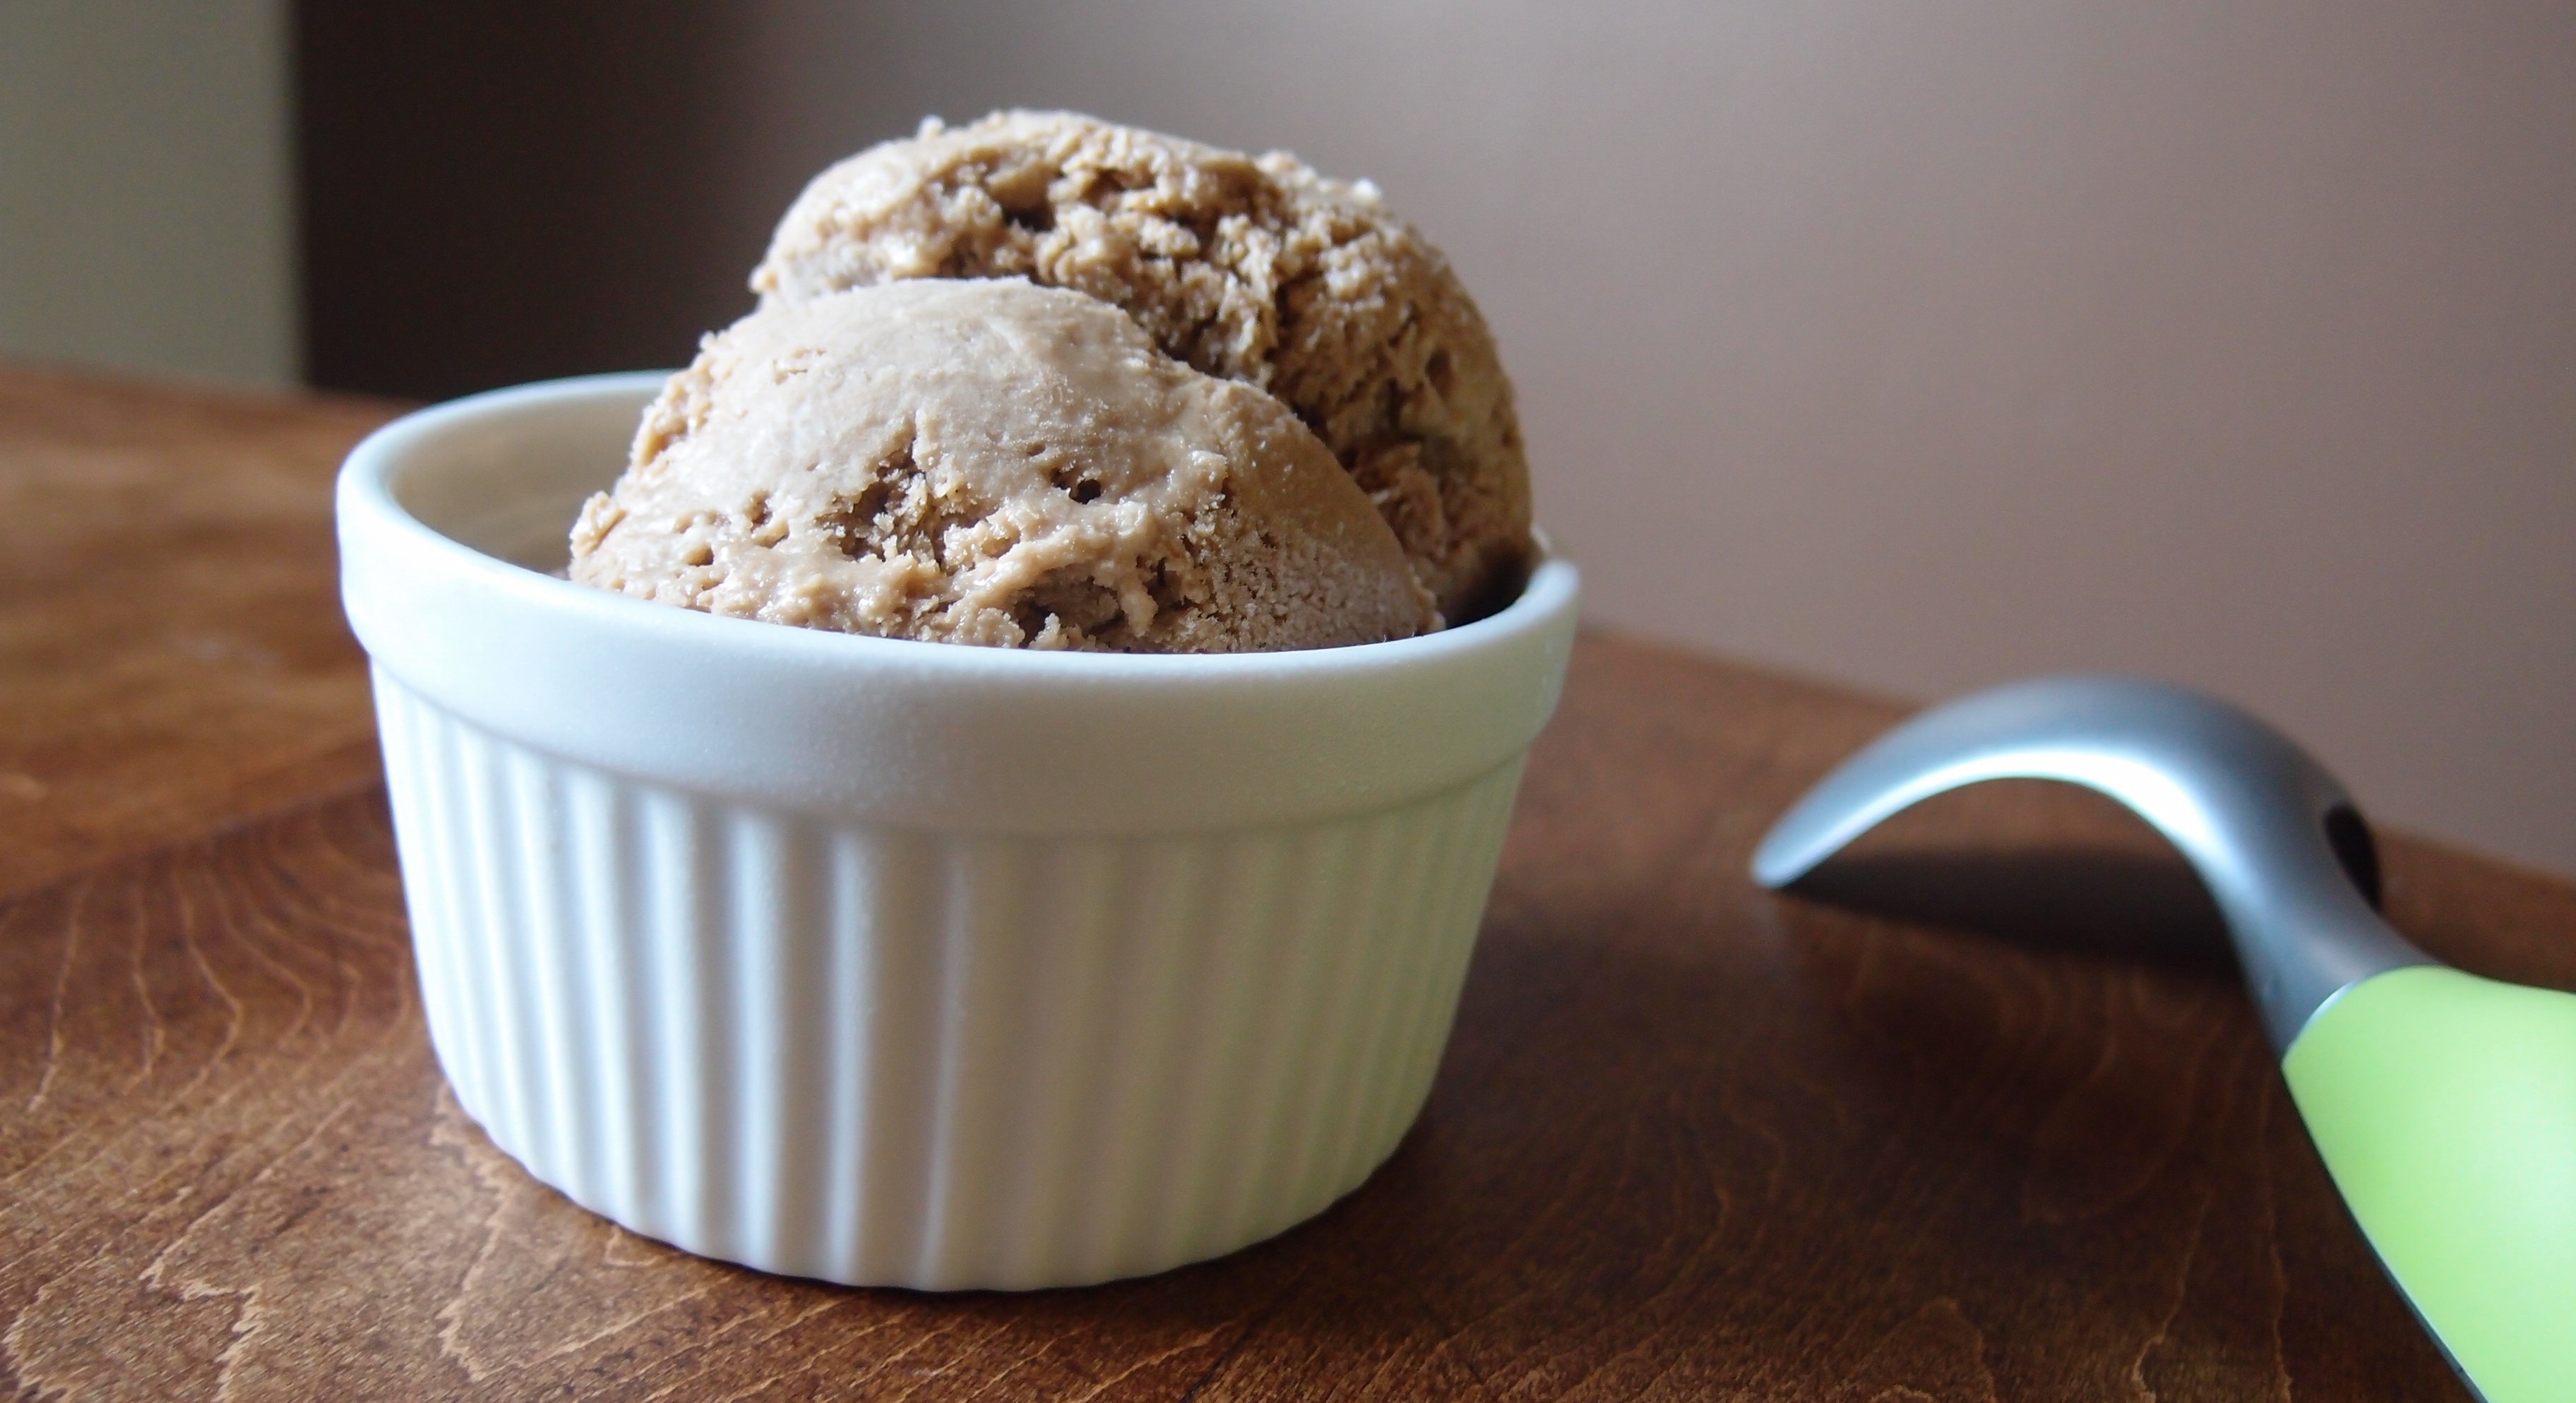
x=2275, y=839
x=2445, y=1107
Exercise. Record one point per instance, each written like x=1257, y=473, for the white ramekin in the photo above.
x=901, y=963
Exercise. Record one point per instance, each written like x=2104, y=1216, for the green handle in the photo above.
x=2445, y=1107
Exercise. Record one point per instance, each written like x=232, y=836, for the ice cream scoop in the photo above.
x=994, y=463
x=2443, y=1104
x=1251, y=268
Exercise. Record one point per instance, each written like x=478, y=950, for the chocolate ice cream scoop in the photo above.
x=996, y=463
x=1254, y=269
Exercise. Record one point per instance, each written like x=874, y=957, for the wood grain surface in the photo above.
x=170, y=653
x=1981, y=1115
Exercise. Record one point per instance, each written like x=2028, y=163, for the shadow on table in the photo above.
x=2116, y=905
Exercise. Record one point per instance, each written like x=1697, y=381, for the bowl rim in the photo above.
x=928, y=735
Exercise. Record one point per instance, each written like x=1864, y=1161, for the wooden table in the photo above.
x=1982, y=1116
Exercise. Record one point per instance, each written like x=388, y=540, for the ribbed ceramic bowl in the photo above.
x=902, y=963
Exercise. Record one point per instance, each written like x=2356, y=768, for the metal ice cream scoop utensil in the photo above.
x=2443, y=1104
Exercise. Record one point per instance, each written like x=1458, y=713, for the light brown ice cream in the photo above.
x=1255, y=269
x=996, y=463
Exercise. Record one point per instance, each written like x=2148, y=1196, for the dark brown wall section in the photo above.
x=499, y=192
x=503, y=192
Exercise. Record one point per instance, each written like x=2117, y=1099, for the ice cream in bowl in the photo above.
x=990, y=776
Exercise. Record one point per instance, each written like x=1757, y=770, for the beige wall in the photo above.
x=2231, y=341
x=146, y=211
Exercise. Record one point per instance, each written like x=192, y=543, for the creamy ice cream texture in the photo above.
x=996, y=463
x=1256, y=269
x=1298, y=323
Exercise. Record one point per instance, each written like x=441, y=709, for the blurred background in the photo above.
x=1911, y=346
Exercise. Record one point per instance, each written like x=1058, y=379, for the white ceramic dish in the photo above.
x=900, y=963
